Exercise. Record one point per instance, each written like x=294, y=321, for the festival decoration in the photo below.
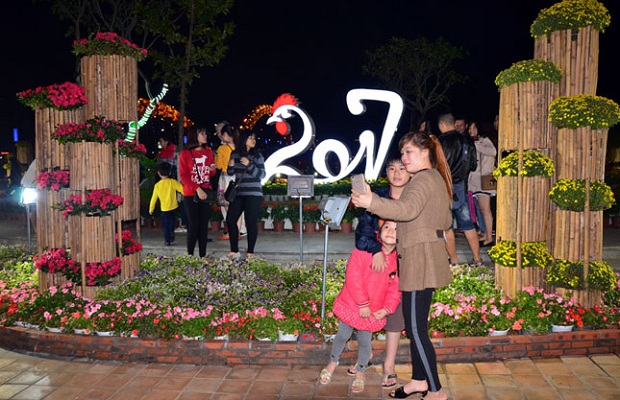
x=108, y=43
x=64, y=96
x=250, y=121
x=133, y=126
x=283, y=110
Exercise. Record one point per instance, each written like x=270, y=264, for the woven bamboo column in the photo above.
x=111, y=85
x=573, y=149
x=130, y=265
x=587, y=298
x=49, y=153
x=534, y=195
x=51, y=225
x=92, y=166
x=569, y=227
x=523, y=114
x=129, y=188
x=92, y=238
x=576, y=53
x=506, y=278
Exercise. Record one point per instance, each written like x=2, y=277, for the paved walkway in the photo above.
x=32, y=378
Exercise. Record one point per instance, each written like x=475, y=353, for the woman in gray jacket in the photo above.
x=423, y=213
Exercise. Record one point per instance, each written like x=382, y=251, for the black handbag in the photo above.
x=231, y=191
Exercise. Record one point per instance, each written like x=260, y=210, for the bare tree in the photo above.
x=419, y=70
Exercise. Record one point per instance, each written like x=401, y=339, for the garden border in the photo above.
x=449, y=350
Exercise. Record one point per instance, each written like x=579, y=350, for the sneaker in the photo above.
x=181, y=229
x=242, y=234
x=224, y=237
x=232, y=256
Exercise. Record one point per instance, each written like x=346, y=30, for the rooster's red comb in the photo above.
x=284, y=99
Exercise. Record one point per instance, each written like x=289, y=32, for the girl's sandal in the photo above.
x=389, y=380
x=325, y=377
x=358, y=386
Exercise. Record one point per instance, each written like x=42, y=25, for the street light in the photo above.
x=29, y=196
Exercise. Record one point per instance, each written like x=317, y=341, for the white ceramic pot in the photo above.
x=106, y=333
x=81, y=331
x=561, y=328
x=287, y=337
x=54, y=330
x=499, y=333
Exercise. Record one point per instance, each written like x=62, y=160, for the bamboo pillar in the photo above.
x=50, y=153
x=576, y=54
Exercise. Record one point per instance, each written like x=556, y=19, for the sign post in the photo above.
x=300, y=186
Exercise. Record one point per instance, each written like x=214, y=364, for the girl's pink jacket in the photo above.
x=364, y=287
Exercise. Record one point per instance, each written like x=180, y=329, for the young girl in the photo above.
x=365, y=300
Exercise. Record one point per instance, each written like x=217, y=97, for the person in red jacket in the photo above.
x=196, y=167
x=364, y=302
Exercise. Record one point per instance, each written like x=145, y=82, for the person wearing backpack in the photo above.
x=461, y=155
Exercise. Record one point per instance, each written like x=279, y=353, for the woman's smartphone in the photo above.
x=358, y=183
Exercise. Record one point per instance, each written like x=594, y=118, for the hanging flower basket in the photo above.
x=54, y=180
x=96, y=203
x=569, y=195
x=583, y=110
x=64, y=96
x=97, y=129
x=571, y=14
x=108, y=43
x=527, y=71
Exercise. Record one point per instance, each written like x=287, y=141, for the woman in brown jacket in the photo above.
x=423, y=213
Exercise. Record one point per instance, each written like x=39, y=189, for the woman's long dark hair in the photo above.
x=240, y=139
x=436, y=156
x=192, y=137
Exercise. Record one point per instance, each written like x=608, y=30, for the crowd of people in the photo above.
x=405, y=242
x=204, y=177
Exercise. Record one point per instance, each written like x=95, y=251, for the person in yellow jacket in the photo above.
x=166, y=191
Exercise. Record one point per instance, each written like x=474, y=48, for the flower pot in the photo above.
x=287, y=337
x=54, y=330
x=310, y=227
x=499, y=333
x=329, y=337
x=381, y=336
x=346, y=227
x=261, y=226
x=263, y=339
x=278, y=226
x=105, y=333
x=296, y=227
x=215, y=226
x=561, y=328
x=222, y=337
x=79, y=331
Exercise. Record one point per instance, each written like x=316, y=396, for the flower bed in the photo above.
x=170, y=298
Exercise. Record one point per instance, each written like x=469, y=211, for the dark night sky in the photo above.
x=315, y=52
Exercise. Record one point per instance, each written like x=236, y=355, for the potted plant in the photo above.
x=263, y=328
x=80, y=322
x=531, y=314
x=64, y=96
x=289, y=329
x=569, y=194
x=108, y=43
x=131, y=149
x=216, y=218
x=129, y=245
x=534, y=254
x=53, y=180
x=97, y=130
x=527, y=71
x=570, y=15
x=100, y=202
x=573, y=112
x=278, y=214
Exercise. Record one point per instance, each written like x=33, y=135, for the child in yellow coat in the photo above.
x=166, y=191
